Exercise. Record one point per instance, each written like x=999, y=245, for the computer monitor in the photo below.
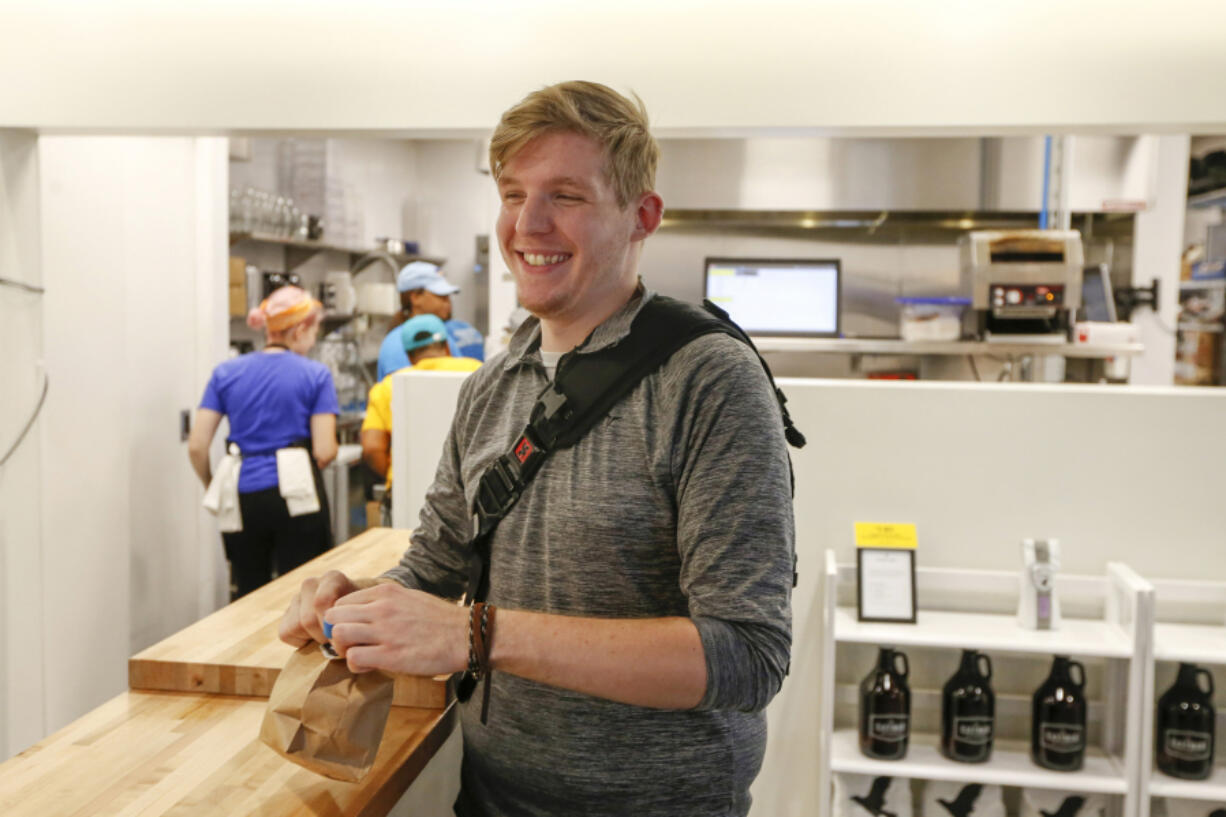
x=777, y=296
x=1097, y=301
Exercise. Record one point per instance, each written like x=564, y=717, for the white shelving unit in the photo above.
x=1197, y=643
x=1120, y=637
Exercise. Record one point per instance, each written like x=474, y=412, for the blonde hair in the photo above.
x=616, y=123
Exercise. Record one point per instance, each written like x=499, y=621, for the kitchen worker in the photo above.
x=424, y=338
x=642, y=582
x=267, y=491
x=423, y=291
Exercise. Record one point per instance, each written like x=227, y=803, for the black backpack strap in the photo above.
x=585, y=387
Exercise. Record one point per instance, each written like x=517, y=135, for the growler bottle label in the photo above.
x=1183, y=744
x=891, y=728
x=1061, y=737
x=976, y=731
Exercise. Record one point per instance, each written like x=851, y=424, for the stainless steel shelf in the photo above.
x=322, y=246
x=892, y=346
x=1203, y=283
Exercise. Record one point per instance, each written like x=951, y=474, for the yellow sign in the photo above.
x=886, y=535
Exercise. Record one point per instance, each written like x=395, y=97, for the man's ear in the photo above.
x=647, y=215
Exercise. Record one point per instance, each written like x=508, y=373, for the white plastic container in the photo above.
x=931, y=318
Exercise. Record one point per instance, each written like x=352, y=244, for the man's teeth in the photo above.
x=537, y=260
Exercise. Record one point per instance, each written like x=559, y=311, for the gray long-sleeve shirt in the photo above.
x=678, y=503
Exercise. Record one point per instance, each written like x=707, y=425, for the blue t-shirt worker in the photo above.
x=423, y=291
x=267, y=490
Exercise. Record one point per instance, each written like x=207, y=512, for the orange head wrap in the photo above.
x=283, y=309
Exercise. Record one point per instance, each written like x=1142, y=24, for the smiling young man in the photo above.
x=642, y=582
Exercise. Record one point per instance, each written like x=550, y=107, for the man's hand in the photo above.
x=303, y=620
x=396, y=630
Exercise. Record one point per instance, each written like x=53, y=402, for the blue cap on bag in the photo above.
x=327, y=629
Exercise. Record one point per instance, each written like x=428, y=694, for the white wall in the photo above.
x=1131, y=475
x=21, y=383
x=940, y=66
x=455, y=201
x=134, y=258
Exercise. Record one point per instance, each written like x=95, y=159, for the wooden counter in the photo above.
x=235, y=651
x=186, y=751
x=175, y=754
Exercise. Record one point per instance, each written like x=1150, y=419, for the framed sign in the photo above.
x=885, y=572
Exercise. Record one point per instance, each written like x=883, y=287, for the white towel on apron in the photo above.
x=221, y=498
x=297, y=481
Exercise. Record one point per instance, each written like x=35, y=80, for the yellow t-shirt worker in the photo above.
x=425, y=340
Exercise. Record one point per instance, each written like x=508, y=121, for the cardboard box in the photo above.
x=238, y=271
x=238, y=301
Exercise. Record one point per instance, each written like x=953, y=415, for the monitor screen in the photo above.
x=778, y=296
x=1097, y=302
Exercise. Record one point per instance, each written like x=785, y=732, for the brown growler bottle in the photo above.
x=968, y=710
x=885, y=707
x=1058, y=718
x=1185, y=725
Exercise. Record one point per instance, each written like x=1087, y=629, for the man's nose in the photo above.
x=534, y=216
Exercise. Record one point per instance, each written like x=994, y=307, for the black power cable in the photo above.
x=29, y=423
x=9, y=282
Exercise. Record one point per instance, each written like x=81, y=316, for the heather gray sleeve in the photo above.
x=743, y=663
x=734, y=527
x=437, y=558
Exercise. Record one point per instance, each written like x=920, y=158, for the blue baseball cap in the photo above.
x=424, y=275
x=422, y=330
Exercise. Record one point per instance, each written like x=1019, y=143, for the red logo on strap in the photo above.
x=523, y=450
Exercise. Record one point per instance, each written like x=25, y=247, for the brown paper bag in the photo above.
x=324, y=717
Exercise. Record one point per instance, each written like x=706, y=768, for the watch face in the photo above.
x=1042, y=577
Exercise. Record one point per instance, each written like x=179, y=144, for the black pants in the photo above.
x=272, y=539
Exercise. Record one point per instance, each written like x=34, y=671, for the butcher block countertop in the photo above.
x=235, y=651
x=176, y=754
x=184, y=741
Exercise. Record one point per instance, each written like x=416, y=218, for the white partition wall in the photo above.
x=428, y=399
x=1117, y=475
x=133, y=256
x=21, y=385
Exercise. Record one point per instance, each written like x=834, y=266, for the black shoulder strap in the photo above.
x=585, y=388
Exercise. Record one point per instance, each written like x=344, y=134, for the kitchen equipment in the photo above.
x=1058, y=717
x=937, y=318
x=885, y=707
x=1185, y=725
x=968, y=710
x=1021, y=282
x=340, y=298
x=275, y=280
x=378, y=298
x=1038, y=607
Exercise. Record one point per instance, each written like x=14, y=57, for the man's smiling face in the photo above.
x=564, y=236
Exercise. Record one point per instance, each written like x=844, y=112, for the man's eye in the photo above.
x=512, y=196
x=567, y=197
